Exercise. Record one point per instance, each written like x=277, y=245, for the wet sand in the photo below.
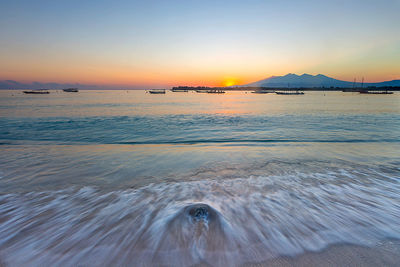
x=386, y=253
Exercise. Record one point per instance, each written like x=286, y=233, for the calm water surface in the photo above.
x=125, y=177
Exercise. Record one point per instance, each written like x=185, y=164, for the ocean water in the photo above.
x=129, y=178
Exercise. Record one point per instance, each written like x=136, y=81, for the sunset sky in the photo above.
x=165, y=43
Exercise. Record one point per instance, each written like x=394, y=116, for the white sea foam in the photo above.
x=239, y=220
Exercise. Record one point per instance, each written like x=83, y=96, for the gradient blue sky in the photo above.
x=164, y=43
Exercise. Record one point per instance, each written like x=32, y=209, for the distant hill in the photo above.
x=310, y=81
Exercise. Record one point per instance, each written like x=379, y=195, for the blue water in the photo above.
x=112, y=177
x=205, y=128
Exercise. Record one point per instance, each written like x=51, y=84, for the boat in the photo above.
x=71, y=90
x=290, y=93
x=376, y=92
x=37, y=92
x=350, y=90
x=157, y=91
x=262, y=91
x=215, y=91
x=353, y=89
x=179, y=90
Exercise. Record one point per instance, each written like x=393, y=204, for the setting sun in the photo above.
x=230, y=82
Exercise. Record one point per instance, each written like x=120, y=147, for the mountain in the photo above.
x=310, y=81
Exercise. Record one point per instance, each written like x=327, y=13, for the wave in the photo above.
x=217, y=141
x=207, y=141
x=193, y=129
x=224, y=222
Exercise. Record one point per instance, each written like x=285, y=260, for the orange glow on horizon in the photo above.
x=230, y=82
x=121, y=77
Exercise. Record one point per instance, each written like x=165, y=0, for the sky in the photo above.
x=147, y=44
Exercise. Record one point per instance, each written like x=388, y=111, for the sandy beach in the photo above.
x=386, y=253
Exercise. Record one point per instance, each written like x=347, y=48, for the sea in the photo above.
x=117, y=178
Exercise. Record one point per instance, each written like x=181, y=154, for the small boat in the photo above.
x=350, y=90
x=376, y=92
x=290, y=93
x=215, y=91
x=179, y=90
x=354, y=89
x=157, y=91
x=37, y=92
x=262, y=91
x=71, y=90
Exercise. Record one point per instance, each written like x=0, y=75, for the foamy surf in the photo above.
x=220, y=222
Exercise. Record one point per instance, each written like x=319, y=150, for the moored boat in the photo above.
x=71, y=90
x=289, y=93
x=376, y=92
x=350, y=90
x=37, y=92
x=215, y=91
x=157, y=91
